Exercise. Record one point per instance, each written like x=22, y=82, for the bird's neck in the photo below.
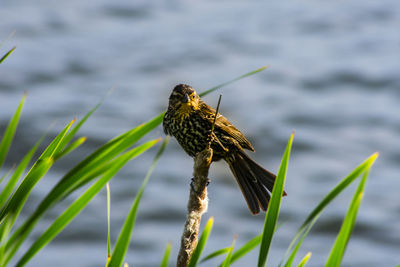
x=185, y=110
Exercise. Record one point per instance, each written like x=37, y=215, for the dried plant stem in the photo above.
x=197, y=206
x=198, y=200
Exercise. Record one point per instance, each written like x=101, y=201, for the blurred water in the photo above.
x=333, y=77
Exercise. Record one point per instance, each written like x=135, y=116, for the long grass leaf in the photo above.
x=246, y=248
x=223, y=84
x=21, y=194
x=300, y=241
x=165, y=259
x=74, y=130
x=228, y=258
x=121, y=247
x=233, y=80
x=201, y=244
x=316, y=212
x=5, y=194
x=341, y=186
x=18, y=199
x=339, y=247
x=304, y=260
x=55, y=146
x=76, y=207
x=6, y=174
x=7, y=54
x=70, y=148
x=71, y=180
x=13, y=207
x=216, y=253
x=108, y=223
x=10, y=131
x=271, y=217
x=5, y=228
x=93, y=166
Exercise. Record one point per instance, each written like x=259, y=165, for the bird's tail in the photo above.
x=253, y=180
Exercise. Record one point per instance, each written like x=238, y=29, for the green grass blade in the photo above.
x=316, y=212
x=10, y=132
x=271, y=217
x=77, y=206
x=5, y=228
x=70, y=148
x=303, y=236
x=228, y=258
x=304, y=260
x=72, y=180
x=6, y=224
x=7, y=54
x=37, y=172
x=240, y=252
x=343, y=237
x=165, y=259
x=6, y=175
x=55, y=146
x=246, y=248
x=80, y=175
x=94, y=165
x=232, y=81
x=222, y=85
x=5, y=194
x=121, y=247
x=201, y=244
x=216, y=253
x=18, y=199
x=341, y=186
x=108, y=223
x=73, y=131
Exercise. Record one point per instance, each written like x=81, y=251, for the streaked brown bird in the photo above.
x=190, y=120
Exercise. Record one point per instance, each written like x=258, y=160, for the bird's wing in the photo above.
x=223, y=124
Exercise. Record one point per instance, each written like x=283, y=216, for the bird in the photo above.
x=190, y=120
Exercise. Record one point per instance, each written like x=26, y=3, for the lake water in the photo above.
x=334, y=78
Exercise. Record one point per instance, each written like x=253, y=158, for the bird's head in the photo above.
x=184, y=99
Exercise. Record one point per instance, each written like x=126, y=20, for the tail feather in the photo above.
x=258, y=189
x=247, y=191
x=267, y=178
x=253, y=181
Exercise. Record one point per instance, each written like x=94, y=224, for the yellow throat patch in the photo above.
x=186, y=108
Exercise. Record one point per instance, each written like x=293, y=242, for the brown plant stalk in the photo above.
x=197, y=206
x=198, y=200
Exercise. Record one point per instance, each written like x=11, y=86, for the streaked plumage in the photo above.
x=189, y=120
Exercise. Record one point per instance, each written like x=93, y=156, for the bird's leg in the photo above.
x=214, y=137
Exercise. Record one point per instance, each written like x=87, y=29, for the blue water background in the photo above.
x=334, y=78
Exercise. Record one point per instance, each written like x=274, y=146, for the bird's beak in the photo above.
x=186, y=99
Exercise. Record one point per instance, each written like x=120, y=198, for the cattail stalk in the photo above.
x=198, y=200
